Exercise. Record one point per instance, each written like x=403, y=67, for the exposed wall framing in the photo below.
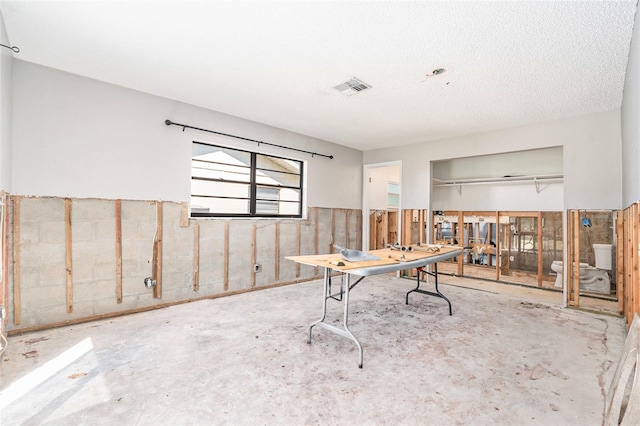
x=631, y=262
x=95, y=257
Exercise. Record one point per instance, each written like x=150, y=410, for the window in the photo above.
x=232, y=182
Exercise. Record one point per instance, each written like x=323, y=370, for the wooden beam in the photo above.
x=498, y=246
x=636, y=262
x=575, y=260
x=253, y=255
x=540, y=250
x=347, y=214
x=297, y=248
x=6, y=217
x=460, y=238
x=277, y=254
x=226, y=256
x=628, y=266
x=157, y=253
x=196, y=256
x=333, y=230
x=69, y=254
x=620, y=260
x=17, y=293
x=118, y=251
x=184, y=215
x=421, y=222
x=316, y=242
x=359, y=230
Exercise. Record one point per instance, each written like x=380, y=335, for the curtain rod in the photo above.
x=185, y=126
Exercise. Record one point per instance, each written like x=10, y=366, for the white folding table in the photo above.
x=390, y=260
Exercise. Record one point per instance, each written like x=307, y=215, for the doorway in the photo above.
x=381, y=198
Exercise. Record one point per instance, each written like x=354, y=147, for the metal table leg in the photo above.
x=430, y=293
x=344, y=331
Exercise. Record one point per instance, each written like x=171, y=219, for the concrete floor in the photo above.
x=504, y=357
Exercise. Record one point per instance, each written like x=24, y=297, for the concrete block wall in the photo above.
x=227, y=251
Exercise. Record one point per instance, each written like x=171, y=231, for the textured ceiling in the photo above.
x=507, y=63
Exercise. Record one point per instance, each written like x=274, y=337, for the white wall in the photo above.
x=78, y=137
x=591, y=146
x=379, y=177
x=631, y=123
x=6, y=99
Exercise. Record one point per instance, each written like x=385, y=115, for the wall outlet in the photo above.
x=149, y=282
x=257, y=268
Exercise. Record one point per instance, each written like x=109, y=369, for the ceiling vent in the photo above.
x=352, y=87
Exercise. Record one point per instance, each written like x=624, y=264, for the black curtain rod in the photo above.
x=185, y=126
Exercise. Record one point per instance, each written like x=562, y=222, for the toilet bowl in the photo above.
x=591, y=279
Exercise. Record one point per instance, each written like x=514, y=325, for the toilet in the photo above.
x=592, y=279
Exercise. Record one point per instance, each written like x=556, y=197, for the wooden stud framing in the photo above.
x=540, y=249
x=347, y=230
x=620, y=260
x=226, y=256
x=635, y=265
x=316, y=239
x=574, y=260
x=5, y=249
x=69, y=254
x=358, y=231
x=196, y=256
x=498, y=246
x=297, y=248
x=157, y=252
x=17, y=294
x=333, y=229
x=184, y=215
x=277, y=254
x=253, y=255
x=460, y=237
x=118, y=251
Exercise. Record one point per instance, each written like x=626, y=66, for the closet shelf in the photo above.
x=536, y=179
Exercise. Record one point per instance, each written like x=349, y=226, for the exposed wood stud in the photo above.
x=226, y=256
x=184, y=215
x=196, y=256
x=5, y=249
x=297, y=248
x=277, y=254
x=118, y=251
x=333, y=230
x=315, y=236
x=421, y=226
x=459, y=235
x=358, y=230
x=575, y=260
x=157, y=253
x=347, y=230
x=620, y=260
x=69, y=254
x=498, y=246
x=540, y=230
x=17, y=294
x=253, y=255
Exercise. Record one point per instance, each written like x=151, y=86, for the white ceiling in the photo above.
x=508, y=63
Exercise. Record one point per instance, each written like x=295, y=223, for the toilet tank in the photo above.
x=603, y=256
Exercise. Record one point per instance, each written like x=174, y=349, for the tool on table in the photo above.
x=355, y=255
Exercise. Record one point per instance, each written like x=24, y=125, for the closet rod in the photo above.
x=186, y=126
